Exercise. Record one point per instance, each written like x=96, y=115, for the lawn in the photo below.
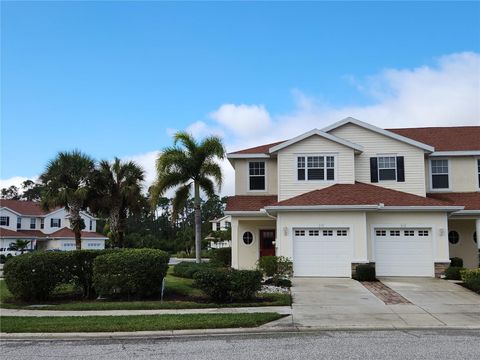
x=179, y=294
x=16, y=324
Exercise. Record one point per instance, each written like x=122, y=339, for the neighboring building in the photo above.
x=223, y=223
x=405, y=200
x=26, y=220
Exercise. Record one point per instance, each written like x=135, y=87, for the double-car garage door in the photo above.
x=329, y=252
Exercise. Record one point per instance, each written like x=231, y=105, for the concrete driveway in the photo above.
x=343, y=302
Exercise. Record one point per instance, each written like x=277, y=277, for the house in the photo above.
x=223, y=223
x=46, y=230
x=403, y=200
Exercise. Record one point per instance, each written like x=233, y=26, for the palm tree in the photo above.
x=20, y=245
x=191, y=165
x=118, y=191
x=67, y=183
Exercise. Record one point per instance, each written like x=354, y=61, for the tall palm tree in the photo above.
x=189, y=165
x=21, y=245
x=67, y=183
x=118, y=191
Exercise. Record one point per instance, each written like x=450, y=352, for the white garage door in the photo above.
x=322, y=252
x=404, y=252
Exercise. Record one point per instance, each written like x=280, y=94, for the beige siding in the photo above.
x=289, y=186
x=241, y=177
x=376, y=144
x=466, y=248
x=12, y=221
x=437, y=221
x=463, y=174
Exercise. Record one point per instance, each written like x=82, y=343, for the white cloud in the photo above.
x=16, y=181
x=241, y=119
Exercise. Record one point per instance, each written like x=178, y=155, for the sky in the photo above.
x=119, y=78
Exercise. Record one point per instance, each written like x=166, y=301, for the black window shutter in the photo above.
x=400, y=169
x=8, y=220
x=59, y=223
x=51, y=222
x=373, y=170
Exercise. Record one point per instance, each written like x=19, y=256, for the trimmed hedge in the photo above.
x=453, y=272
x=365, y=272
x=224, y=285
x=471, y=279
x=188, y=269
x=130, y=273
x=456, y=262
x=222, y=256
x=275, y=266
x=34, y=276
x=280, y=282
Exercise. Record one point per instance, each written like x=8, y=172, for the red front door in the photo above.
x=267, y=242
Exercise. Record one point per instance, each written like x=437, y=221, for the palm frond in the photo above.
x=180, y=199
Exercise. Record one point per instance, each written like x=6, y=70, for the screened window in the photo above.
x=55, y=223
x=32, y=223
x=387, y=168
x=256, y=171
x=316, y=168
x=439, y=169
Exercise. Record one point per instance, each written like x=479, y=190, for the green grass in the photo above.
x=17, y=324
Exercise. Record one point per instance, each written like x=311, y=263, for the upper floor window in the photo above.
x=228, y=224
x=42, y=223
x=318, y=168
x=387, y=168
x=5, y=220
x=256, y=175
x=439, y=173
x=19, y=222
x=478, y=171
x=217, y=226
x=55, y=223
x=32, y=223
x=90, y=227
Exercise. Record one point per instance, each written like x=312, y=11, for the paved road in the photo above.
x=384, y=345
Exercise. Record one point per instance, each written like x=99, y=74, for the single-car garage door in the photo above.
x=322, y=252
x=403, y=252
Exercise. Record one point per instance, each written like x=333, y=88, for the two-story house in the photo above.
x=46, y=230
x=404, y=200
x=220, y=224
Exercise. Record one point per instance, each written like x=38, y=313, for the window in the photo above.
x=69, y=245
x=93, y=245
x=55, y=223
x=228, y=224
x=478, y=171
x=453, y=237
x=387, y=168
x=256, y=171
x=32, y=223
x=327, y=232
x=341, y=232
x=299, y=232
x=394, y=232
x=381, y=233
x=422, y=232
x=313, y=233
x=42, y=223
x=319, y=168
x=439, y=169
x=90, y=227
x=409, y=233
x=19, y=222
x=5, y=220
x=247, y=238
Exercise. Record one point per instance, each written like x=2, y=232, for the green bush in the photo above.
x=130, y=273
x=471, y=279
x=34, y=276
x=188, y=269
x=365, y=272
x=456, y=262
x=275, y=266
x=224, y=285
x=280, y=282
x=453, y=272
x=222, y=256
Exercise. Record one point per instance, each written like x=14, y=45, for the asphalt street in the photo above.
x=384, y=345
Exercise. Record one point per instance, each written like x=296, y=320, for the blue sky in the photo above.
x=116, y=78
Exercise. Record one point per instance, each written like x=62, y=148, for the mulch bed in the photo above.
x=384, y=293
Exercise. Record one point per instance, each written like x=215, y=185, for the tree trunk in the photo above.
x=114, y=224
x=76, y=225
x=198, y=224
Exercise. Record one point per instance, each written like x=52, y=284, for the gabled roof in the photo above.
x=262, y=149
x=390, y=134
x=68, y=233
x=24, y=207
x=249, y=202
x=24, y=234
x=316, y=132
x=359, y=194
x=455, y=138
x=471, y=200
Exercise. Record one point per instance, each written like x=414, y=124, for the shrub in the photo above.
x=365, y=272
x=275, y=266
x=134, y=272
x=188, y=269
x=456, y=262
x=453, y=272
x=228, y=284
x=471, y=279
x=34, y=276
x=222, y=256
x=280, y=282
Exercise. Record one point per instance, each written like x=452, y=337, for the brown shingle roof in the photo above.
x=359, y=194
x=249, y=202
x=454, y=138
x=23, y=207
x=68, y=233
x=21, y=234
x=471, y=200
x=262, y=149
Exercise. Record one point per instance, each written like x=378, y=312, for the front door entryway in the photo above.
x=267, y=242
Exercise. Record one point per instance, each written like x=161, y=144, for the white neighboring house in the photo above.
x=26, y=220
x=223, y=223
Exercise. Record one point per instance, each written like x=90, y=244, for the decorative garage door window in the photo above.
x=313, y=233
x=327, y=232
x=247, y=238
x=341, y=232
x=381, y=232
x=422, y=232
x=394, y=232
x=299, y=232
x=453, y=237
x=409, y=233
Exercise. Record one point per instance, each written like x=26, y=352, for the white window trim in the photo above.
x=449, y=188
x=34, y=223
x=248, y=177
x=58, y=224
x=396, y=169
x=5, y=217
x=306, y=181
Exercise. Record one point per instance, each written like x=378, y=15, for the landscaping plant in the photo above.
x=456, y=262
x=222, y=257
x=453, y=272
x=471, y=279
x=365, y=272
x=186, y=269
